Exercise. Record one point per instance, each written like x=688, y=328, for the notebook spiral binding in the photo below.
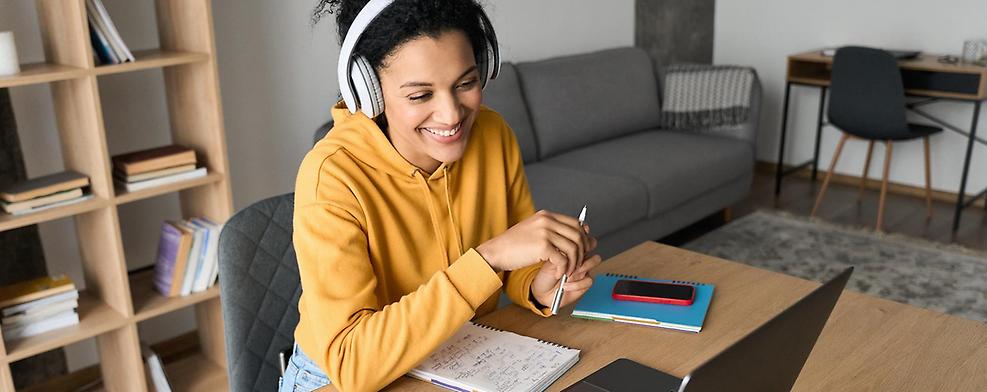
x=484, y=326
x=623, y=276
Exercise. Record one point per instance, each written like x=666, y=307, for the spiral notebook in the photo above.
x=598, y=304
x=482, y=358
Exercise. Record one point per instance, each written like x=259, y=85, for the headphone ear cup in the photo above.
x=487, y=66
x=370, y=100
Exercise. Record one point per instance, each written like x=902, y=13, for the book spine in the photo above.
x=99, y=45
x=178, y=272
x=167, y=256
x=162, y=162
x=193, y=259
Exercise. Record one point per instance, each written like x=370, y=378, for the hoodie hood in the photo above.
x=360, y=135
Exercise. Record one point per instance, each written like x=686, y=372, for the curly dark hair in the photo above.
x=403, y=21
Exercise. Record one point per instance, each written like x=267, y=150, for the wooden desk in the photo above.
x=923, y=77
x=869, y=344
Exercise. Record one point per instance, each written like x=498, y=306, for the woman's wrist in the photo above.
x=535, y=300
x=487, y=255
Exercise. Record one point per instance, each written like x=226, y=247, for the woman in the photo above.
x=411, y=223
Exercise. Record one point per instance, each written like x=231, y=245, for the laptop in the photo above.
x=768, y=359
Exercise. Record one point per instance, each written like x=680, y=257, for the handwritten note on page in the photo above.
x=485, y=359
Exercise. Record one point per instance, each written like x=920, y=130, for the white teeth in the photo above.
x=443, y=133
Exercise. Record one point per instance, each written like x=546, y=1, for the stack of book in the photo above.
x=108, y=47
x=38, y=306
x=43, y=193
x=187, y=257
x=156, y=166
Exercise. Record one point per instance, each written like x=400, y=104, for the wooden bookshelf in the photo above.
x=149, y=303
x=124, y=196
x=114, y=302
x=41, y=73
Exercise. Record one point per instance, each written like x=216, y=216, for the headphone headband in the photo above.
x=363, y=19
x=366, y=97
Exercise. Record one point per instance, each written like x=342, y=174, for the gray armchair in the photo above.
x=259, y=291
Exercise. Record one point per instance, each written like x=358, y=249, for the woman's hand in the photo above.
x=544, y=236
x=546, y=283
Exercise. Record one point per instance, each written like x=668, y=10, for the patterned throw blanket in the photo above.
x=702, y=96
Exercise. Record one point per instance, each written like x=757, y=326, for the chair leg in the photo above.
x=928, y=180
x=884, y=186
x=863, y=178
x=829, y=174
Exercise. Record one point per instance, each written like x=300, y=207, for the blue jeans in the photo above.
x=302, y=375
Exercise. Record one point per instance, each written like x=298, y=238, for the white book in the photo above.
x=209, y=259
x=199, y=281
x=38, y=313
x=215, y=270
x=194, y=257
x=485, y=359
x=40, y=303
x=54, y=205
x=114, y=35
x=96, y=25
x=140, y=185
x=103, y=29
x=62, y=320
x=155, y=369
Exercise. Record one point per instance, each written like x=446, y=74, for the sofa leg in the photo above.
x=727, y=215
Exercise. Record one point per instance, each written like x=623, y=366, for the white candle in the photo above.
x=8, y=54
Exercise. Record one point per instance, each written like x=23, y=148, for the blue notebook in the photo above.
x=598, y=304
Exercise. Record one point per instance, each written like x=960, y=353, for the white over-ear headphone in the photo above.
x=358, y=83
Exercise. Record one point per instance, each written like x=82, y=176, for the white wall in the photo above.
x=277, y=84
x=761, y=33
x=278, y=78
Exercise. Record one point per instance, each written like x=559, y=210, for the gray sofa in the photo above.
x=588, y=127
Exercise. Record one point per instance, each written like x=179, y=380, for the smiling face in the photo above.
x=431, y=89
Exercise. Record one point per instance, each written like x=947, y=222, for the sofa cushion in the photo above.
x=504, y=95
x=673, y=166
x=578, y=100
x=614, y=202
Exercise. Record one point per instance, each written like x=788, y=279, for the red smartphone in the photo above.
x=654, y=292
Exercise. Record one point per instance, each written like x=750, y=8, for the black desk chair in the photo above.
x=260, y=289
x=867, y=102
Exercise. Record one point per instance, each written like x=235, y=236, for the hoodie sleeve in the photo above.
x=518, y=282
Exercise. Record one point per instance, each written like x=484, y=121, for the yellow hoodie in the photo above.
x=385, y=251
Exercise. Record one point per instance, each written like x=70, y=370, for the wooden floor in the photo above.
x=903, y=214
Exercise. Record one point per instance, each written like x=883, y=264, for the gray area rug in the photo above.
x=944, y=278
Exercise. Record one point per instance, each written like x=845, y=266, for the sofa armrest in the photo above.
x=746, y=131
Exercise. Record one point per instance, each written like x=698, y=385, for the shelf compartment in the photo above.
x=10, y=222
x=124, y=196
x=149, y=303
x=152, y=58
x=37, y=73
x=95, y=318
x=196, y=373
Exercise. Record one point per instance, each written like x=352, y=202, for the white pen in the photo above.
x=565, y=277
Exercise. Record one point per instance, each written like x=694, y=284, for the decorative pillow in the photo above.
x=703, y=96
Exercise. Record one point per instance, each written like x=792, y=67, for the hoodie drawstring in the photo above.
x=456, y=229
x=431, y=213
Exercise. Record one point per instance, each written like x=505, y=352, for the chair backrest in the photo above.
x=260, y=287
x=867, y=96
